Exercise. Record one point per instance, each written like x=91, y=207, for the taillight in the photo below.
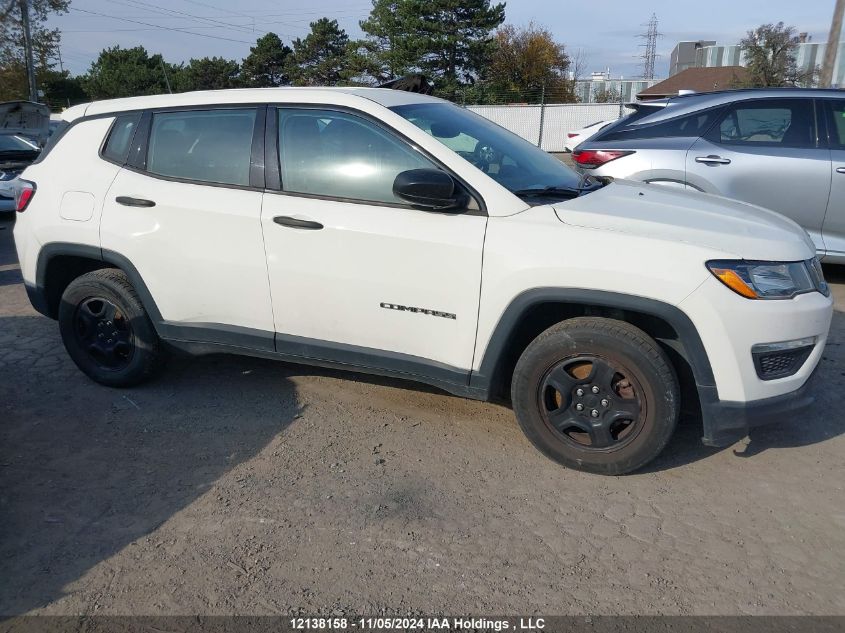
x=571, y=135
x=592, y=158
x=24, y=194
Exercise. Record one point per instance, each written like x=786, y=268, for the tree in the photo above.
x=319, y=59
x=208, y=73
x=45, y=44
x=528, y=64
x=127, y=72
x=770, y=57
x=61, y=90
x=449, y=41
x=264, y=67
x=385, y=53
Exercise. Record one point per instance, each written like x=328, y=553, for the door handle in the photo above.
x=712, y=160
x=126, y=201
x=286, y=220
x=840, y=170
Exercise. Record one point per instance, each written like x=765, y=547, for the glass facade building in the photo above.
x=808, y=55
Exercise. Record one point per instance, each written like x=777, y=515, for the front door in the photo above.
x=767, y=152
x=356, y=274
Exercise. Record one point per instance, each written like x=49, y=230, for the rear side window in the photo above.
x=120, y=137
x=771, y=122
x=692, y=125
x=202, y=145
x=836, y=116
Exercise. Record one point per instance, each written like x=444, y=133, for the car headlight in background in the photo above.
x=770, y=280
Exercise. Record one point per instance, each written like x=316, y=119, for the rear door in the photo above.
x=186, y=212
x=767, y=152
x=833, y=230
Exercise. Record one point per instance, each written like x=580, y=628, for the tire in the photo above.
x=619, y=428
x=106, y=330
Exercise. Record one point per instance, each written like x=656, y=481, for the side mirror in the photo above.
x=429, y=188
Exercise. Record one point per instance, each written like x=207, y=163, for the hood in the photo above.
x=735, y=228
x=25, y=118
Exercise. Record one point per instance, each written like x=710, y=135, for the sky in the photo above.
x=605, y=31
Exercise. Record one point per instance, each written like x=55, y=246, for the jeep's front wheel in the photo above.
x=106, y=330
x=596, y=394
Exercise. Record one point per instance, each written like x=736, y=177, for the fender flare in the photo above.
x=38, y=295
x=688, y=343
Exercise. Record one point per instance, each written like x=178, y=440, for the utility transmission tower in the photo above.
x=650, y=45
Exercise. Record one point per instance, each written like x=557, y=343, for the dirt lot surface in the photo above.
x=235, y=485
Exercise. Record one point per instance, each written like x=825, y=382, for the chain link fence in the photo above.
x=546, y=125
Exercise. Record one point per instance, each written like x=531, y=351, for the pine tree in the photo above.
x=450, y=41
x=319, y=59
x=264, y=67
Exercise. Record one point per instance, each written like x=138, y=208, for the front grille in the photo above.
x=780, y=364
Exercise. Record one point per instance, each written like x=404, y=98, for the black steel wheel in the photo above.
x=107, y=331
x=592, y=402
x=103, y=330
x=596, y=394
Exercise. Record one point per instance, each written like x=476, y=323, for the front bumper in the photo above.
x=726, y=422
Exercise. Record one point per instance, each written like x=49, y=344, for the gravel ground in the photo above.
x=242, y=486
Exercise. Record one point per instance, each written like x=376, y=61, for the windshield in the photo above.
x=10, y=143
x=508, y=159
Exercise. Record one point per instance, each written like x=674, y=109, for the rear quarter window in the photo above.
x=691, y=125
x=116, y=147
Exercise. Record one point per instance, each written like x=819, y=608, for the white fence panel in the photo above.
x=560, y=119
x=557, y=119
x=519, y=119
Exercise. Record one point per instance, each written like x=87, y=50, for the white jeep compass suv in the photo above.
x=398, y=234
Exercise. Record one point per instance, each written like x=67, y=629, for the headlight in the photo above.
x=770, y=280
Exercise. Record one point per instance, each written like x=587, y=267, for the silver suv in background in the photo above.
x=782, y=149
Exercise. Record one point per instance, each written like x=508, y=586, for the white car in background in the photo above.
x=574, y=137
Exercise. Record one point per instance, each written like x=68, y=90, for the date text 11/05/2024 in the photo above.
x=417, y=624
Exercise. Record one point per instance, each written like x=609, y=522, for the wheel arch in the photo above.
x=59, y=263
x=533, y=311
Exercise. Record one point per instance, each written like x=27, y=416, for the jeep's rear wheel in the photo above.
x=596, y=394
x=106, y=330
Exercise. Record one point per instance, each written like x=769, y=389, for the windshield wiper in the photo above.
x=550, y=192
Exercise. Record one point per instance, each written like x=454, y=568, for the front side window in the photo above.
x=775, y=122
x=511, y=161
x=340, y=155
x=203, y=145
x=120, y=137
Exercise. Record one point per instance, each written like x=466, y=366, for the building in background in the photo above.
x=808, y=55
x=683, y=55
x=602, y=88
